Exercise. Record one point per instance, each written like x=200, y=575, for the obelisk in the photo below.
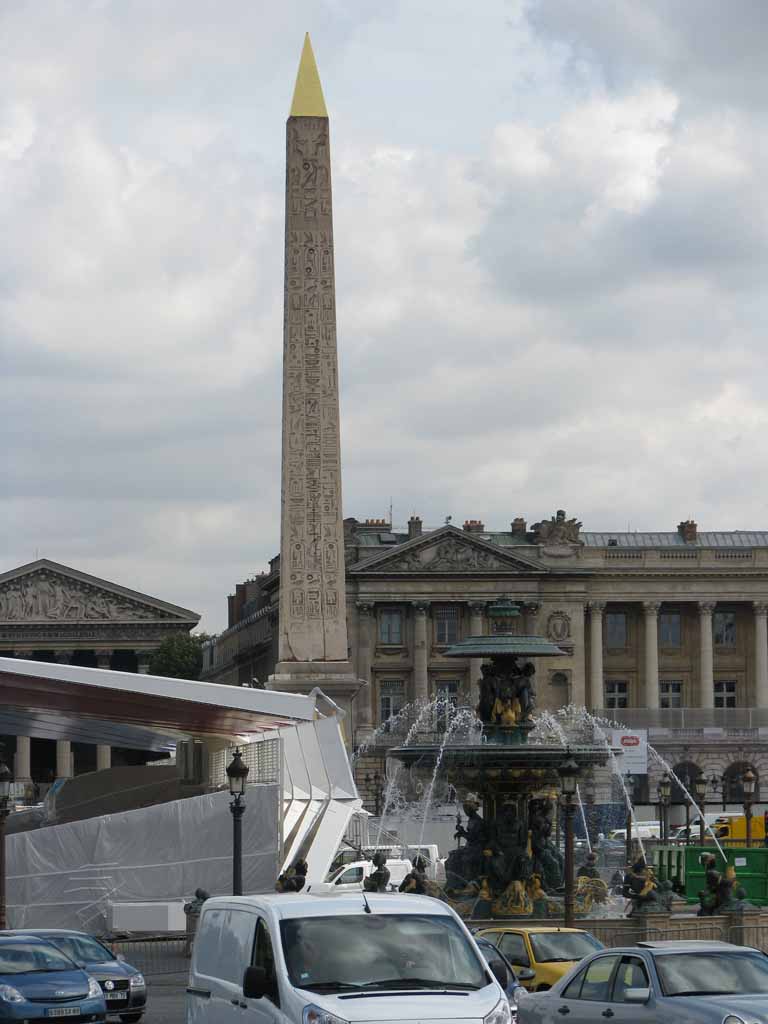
x=313, y=624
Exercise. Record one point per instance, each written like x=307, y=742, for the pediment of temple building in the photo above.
x=46, y=592
x=448, y=550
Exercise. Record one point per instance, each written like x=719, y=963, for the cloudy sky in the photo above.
x=551, y=242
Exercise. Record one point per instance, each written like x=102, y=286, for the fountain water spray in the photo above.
x=665, y=765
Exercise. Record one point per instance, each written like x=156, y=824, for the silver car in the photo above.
x=696, y=982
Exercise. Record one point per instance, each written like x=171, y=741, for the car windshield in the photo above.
x=712, y=973
x=81, y=948
x=549, y=947
x=30, y=958
x=380, y=951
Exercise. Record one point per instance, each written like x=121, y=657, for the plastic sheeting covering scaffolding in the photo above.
x=66, y=876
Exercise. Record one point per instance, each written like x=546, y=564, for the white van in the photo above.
x=640, y=830
x=291, y=958
x=350, y=876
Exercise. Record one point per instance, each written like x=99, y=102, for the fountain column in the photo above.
x=364, y=610
x=23, y=764
x=596, y=609
x=706, y=664
x=761, y=654
x=476, y=612
x=420, y=651
x=651, y=610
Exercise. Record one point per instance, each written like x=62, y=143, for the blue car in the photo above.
x=123, y=985
x=38, y=982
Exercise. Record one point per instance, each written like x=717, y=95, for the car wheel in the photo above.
x=131, y=1018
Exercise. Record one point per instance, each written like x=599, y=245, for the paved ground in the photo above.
x=165, y=999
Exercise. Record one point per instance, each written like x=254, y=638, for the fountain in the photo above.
x=506, y=862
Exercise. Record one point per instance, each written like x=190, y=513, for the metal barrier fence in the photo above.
x=155, y=956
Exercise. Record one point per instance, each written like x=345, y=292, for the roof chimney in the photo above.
x=414, y=527
x=519, y=527
x=688, y=531
x=473, y=526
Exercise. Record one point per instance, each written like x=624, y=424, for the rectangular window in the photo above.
x=616, y=693
x=615, y=630
x=724, y=629
x=390, y=626
x=446, y=624
x=391, y=698
x=670, y=631
x=670, y=693
x=725, y=693
x=447, y=691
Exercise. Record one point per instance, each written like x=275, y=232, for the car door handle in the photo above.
x=563, y=1010
x=608, y=1013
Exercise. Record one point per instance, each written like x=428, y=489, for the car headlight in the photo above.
x=9, y=994
x=94, y=989
x=137, y=981
x=317, y=1015
x=500, y=1014
x=732, y=1019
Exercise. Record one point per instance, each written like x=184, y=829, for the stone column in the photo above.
x=761, y=654
x=596, y=696
x=364, y=653
x=103, y=658
x=23, y=766
x=63, y=759
x=420, y=651
x=651, y=610
x=706, y=664
x=103, y=752
x=143, y=660
x=476, y=612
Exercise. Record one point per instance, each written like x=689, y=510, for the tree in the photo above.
x=179, y=656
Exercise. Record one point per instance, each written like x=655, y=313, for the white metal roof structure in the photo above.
x=92, y=705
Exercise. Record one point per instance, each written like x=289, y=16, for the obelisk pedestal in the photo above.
x=313, y=625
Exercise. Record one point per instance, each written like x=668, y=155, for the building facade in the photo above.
x=665, y=631
x=54, y=613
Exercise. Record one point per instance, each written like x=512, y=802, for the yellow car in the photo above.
x=548, y=952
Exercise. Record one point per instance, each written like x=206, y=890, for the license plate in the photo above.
x=116, y=995
x=64, y=1011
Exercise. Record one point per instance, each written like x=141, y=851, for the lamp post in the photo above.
x=664, y=792
x=6, y=778
x=237, y=773
x=700, y=787
x=569, y=777
x=748, y=781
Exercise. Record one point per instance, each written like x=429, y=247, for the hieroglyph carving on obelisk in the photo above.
x=313, y=626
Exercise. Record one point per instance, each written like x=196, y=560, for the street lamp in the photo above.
x=237, y=773
x=569, y=778
x=748, y=781
x=700, y=788
x=665, y=792
x=6, y=778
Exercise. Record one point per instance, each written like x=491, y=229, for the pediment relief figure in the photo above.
x=46, y=596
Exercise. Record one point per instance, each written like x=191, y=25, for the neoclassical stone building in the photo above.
x=665, y=631
x=51, y=612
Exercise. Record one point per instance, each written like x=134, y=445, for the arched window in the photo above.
x=687, y=772
x=733, y=791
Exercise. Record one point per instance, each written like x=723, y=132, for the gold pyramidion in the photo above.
x=308, y=98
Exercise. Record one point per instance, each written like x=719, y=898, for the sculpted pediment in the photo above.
x=450, y=551
x=45, y=594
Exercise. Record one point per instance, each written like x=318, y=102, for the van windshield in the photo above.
x=380, y=951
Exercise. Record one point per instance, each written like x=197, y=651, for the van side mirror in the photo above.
x=525, y=974
x=637, y=995
x=499, y=971
x=256, y=985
